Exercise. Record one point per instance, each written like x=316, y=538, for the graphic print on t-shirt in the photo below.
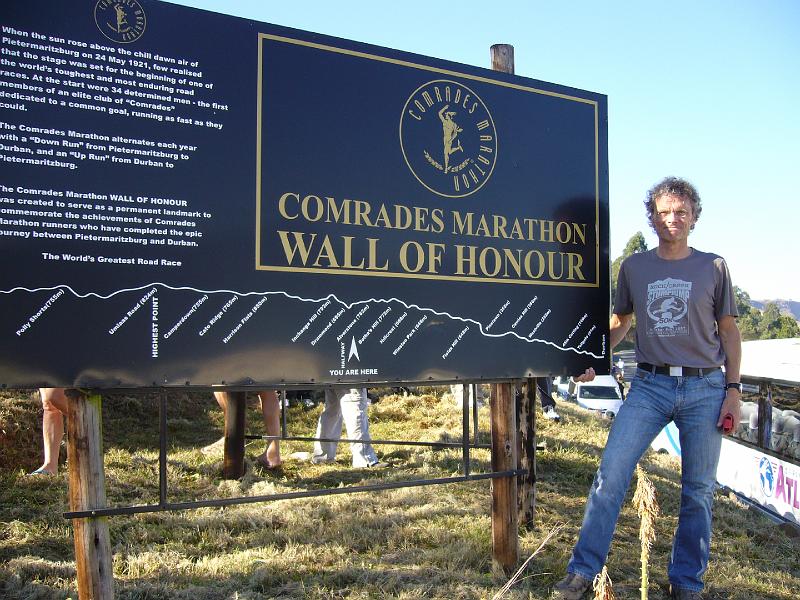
x=667, y=307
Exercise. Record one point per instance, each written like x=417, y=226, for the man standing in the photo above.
x=685, y=330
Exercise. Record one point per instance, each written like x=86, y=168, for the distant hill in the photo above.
x=788, y=307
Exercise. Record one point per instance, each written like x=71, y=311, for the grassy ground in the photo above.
x=422, y=542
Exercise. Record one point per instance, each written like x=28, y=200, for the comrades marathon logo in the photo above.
x=667, y=307
x=120, y=21
x=448, y=138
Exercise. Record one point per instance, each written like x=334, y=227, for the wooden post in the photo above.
x=503, y=58
x=235, y=411
x=505, y=546
x=505, y=543
x=526, y=453
x=87, y=491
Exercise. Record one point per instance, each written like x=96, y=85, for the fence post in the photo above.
x=505, y=543
x=526, y=453
x=87, y=491
x=505, y=546
x=765, y=415
x=235, y=411
x=503, y=58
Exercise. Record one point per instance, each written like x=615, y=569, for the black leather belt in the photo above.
x=676, y=371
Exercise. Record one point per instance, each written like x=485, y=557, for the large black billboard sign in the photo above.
x=191, y=198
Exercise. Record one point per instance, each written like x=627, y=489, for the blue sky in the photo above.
x=707, y=90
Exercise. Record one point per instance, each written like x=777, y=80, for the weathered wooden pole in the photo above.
x=503, y=58
x=526, y=452
x=505, y=542
x=235, y=412
x=86, y=492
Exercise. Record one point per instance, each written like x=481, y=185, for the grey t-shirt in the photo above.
x=677, y=304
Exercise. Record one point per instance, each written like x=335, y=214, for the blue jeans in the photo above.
x=655, y=400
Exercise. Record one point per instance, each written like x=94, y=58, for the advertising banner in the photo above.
x=188, y=198
x=771, y=482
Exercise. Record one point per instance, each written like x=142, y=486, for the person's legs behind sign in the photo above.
x=271, y=414
x=348, y=406
x=545, y=391
x=54, y=403
x=329, y=428
x=270, y=411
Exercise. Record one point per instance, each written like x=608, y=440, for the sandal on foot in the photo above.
x=40, y=471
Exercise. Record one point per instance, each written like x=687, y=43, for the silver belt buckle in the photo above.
x=675, y=371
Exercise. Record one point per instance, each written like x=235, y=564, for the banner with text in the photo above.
x=193, y=198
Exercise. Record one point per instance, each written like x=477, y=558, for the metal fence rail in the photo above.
x=164, y=505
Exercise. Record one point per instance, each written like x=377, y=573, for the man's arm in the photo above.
x=618, y=326
x=732, y=345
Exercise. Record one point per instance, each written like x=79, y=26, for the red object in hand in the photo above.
x=727, y=423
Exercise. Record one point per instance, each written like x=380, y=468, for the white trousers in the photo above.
x=350, y=406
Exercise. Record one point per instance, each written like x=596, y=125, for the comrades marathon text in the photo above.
x=319, y=233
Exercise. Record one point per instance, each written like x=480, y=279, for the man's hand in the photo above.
x=732, y=406
x=587, y=375
x=732, y=345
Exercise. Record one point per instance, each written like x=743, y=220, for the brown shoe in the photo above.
x=572, y=587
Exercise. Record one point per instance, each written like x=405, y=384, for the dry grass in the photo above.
x=602, y=586
x=644, y=499
x=423, y=542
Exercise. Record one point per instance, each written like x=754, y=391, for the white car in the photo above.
x=601, y=394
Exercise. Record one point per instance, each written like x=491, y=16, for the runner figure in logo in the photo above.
x=667, y=307
x=450, y=132
x=121, y=21
x=451, y=114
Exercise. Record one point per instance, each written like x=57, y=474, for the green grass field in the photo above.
x=420, y=542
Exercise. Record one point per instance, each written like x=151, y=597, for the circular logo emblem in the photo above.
x=120, y=21
x=448, y=138
x=766, y=476
x=667, y=311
